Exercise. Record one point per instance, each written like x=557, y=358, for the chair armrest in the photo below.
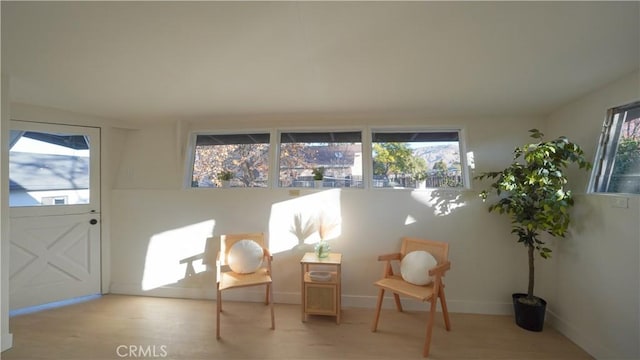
x=440, y=269
x=388, y=257
x=267, y=255
x=388, y=270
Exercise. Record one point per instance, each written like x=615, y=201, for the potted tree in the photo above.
x=318, y=176
x=532, y=193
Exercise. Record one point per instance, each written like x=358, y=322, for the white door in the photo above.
x=54, y=173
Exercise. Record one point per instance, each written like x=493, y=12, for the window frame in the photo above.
x=191, y=155
x=366, y=132
x=94, y=134
x=278, y=144
x=608, y=143
x=464, y=168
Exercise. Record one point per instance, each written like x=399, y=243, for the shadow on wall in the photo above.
x=301, y=222
x=187, y=254
x=443, y=201
x=446, y=201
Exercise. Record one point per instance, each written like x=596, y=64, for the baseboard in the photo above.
x=7, y=341
x=356, y=301
x=252, y=294
x=594, y=347
x=165, y=291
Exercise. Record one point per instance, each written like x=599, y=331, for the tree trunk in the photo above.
x=531, y=275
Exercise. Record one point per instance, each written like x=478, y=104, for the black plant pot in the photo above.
x=529, y=317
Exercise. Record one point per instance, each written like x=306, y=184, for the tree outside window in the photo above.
x=617, y=167
x=244, y=156
x=416, y=159
x=338, y=153
x=625, y=176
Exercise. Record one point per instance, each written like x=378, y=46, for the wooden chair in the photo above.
x=227, y=279
x=427, y=293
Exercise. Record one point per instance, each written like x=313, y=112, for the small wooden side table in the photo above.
x=321, y=297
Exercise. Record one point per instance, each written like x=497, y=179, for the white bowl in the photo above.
x=320, y=275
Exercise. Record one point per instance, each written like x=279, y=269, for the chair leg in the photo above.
x=218, y=311
x=270, y=301
x=374, y=327
x=396, y=297
x=266, y=296
x=445, y=311
x=427, y=339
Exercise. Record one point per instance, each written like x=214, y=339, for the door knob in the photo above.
x=93, y=221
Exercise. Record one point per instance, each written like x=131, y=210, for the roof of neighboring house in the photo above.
x=37, y=172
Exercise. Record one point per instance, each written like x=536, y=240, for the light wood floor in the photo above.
x=113, y=325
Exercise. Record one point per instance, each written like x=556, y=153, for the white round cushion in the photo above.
x=245, y=256
x=415, y=267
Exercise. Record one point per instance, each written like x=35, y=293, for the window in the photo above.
x=416, y=159
x=617, y=163
x=400, y=158
x=244, y=157
x=338, y=154
x=48, y=168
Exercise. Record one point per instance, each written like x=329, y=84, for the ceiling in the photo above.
x=153, y=61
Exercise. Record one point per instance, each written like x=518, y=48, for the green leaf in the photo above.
x=536, y=134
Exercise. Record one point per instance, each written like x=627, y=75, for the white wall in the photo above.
x=596, y=302
x=150, y=203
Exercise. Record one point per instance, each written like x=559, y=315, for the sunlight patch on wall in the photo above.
x=410, y=220
x=176, y=254
x=443, y=201
x=302, y=221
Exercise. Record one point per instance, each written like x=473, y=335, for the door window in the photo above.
x=52, y=166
